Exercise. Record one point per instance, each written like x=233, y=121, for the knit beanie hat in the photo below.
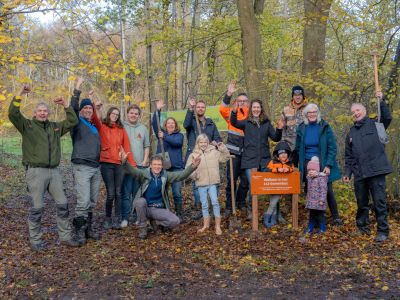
x=313, y=164
x=298, y=88
x=85, y=102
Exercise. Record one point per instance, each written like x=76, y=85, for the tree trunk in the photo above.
x=393, y=148
x=251, y=47
x=316, y=13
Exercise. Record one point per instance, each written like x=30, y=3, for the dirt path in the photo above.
x=273, y=264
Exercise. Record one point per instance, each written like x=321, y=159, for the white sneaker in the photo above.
x=124, y=223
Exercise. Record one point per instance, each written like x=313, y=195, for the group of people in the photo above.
x=137, y=184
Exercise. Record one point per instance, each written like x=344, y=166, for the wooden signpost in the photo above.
x=268, y=183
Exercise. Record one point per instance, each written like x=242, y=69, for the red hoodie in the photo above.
x=112, y=138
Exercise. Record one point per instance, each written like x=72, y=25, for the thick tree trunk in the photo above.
x=393, y=148
x=251, y=47
x=316, y=14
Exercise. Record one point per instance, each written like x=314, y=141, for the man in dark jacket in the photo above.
x=365, y=158
x=41, y=153
x=85, y=165
x=207, y=127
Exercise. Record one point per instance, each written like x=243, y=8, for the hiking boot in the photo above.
x=381, y=237
x=227, y=212
x=107, y=223
x=116, y=225
x=154, y=226
x=269, y=220
x=90, y=233
x=80, y=226
x=124, y=223
x=281, y=219
x=322, y=228
x=249, y=215
x=41, y=246
x=71, y=243
x=142, y=233
x=363, y=231
x=337, y=222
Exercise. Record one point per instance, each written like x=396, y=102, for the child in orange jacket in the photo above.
x=279, y=164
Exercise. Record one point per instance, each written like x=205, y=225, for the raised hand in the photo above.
x=379, y=94
x=192, y=103
x=60, y=101
x=160, y=134
x=79, y=82
x=160, y=104
x=26, y=89
x=280, y=123
x=231, y=88
x=196, y=161
x=235, y=106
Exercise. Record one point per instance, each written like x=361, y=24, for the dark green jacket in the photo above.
x=143, y=176
x=327, y=149
x=41, y=146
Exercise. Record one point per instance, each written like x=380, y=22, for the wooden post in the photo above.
x=295, y=211
x=254, y=206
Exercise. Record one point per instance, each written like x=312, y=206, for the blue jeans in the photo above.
x=212, y=191
x=248, y=175
x=129, y=189
x=196, y=195
x=176, y=189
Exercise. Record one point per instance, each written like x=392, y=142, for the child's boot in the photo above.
x=310, y=227
x=322, y=227
x=269, y=220
x=206, y=224
x=218, y=230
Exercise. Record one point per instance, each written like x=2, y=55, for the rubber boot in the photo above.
x=206, y=224
x=107, y=223
x=310, y=227
x=269, y=220
x=322, y=227
x=90, y=233
x=218, y=230
x=80, y=226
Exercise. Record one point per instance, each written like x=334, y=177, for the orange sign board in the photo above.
x=268, y=183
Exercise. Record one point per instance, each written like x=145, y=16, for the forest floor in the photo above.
x=277, y=263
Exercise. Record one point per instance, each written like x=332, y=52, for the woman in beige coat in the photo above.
x=207, y=177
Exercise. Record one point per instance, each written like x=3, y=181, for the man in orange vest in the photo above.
x=235, y=146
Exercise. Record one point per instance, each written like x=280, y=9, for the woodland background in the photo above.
x=134, y=51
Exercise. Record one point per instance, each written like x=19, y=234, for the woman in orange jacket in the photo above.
x=113, y=137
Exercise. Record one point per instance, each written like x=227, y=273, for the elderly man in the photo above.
x=41, y=153
x=235, y=145
x=152, y=201
x=365, y=158
x=85, y=164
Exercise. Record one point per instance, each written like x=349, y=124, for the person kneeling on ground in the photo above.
x=279, y=164
x=152, y=203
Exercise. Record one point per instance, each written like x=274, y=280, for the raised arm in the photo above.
x=386, y=116
x=76, y=95
x=71, y=119
x=235, y=122
x=14, y=113
x=275, y=134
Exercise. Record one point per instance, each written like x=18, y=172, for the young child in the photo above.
x=279, y=164
x=207, y=177
x=317, y=188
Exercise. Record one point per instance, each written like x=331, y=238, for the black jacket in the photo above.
x=86, y=143
x=256, y=146
x=209, y=129
x=365, y=155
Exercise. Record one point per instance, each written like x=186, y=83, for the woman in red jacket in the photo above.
x=112, y=136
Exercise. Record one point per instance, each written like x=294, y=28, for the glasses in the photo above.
x=115, y=114
x=312, y=112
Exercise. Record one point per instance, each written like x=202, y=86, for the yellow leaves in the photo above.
x=385, y=288
x=5, y=39
x=2, y=97
x=72, y=78
x=127, y=98
x=142, y=104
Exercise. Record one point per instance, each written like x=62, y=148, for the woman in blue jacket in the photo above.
x=316, y=138
x=173, y=143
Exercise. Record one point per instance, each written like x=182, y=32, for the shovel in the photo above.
x=234, y=223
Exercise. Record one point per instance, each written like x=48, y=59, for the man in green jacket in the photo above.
x=152, y=201
x=41, y=153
